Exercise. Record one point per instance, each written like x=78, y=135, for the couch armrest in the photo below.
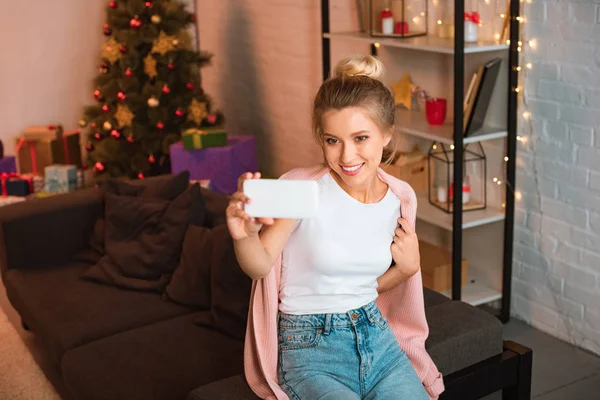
x=42, y=232
x=233, y=388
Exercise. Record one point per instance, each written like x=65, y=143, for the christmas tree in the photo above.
x=147, y=91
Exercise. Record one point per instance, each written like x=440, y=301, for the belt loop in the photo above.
x=327, y=327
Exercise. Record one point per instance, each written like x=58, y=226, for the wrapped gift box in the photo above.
x=15, y=185
x=41, y=146
x=222, y=165
x=8, y=164
x=203, y=138
x=60, y=178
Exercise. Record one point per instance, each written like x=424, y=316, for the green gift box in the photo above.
x=203, y=138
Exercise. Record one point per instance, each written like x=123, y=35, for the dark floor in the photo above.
x=560, y=371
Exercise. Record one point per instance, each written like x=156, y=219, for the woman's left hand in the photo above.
x=405, y=249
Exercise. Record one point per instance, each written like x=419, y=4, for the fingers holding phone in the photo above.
x=239, y=223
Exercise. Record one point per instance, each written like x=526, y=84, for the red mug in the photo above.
x=435, y=110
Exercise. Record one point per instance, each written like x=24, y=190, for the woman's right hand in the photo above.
x=239, y=223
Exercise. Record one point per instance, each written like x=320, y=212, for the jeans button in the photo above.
x=355, y=316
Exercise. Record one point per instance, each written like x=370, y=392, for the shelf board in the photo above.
x=433, y=215
x=475, y=291
x=423, y=43
x=415, y=123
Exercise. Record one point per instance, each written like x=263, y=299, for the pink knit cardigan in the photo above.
x=402, y=306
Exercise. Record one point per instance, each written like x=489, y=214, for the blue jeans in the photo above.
x=346, y=356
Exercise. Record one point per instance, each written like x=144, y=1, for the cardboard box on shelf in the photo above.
x=411, y=168
x=436, y=267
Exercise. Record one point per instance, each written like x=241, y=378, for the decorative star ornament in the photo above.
x=403, y=91
x=163, y=43
x=124, y=116
x=197, y=111
x=150, y=66
x=111, y=50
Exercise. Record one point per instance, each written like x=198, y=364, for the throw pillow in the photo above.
x=230, y=289
x=190, y=284
x=143, y=239
x=164, y=187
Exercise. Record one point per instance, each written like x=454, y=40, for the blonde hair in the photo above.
x=355, y=82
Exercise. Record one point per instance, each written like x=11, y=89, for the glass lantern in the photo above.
x=441, y=182
x=398, y=18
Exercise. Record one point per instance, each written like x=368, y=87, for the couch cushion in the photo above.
x=143, y=239
x=461, y=335
x=433, y=298
x=162, y=361
x=65, y=311
x=190, y=284
x=230, y=289
x=233, y=388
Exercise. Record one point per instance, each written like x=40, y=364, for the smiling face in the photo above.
x=353, y=145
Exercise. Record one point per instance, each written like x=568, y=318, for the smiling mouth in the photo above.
x=352, y=170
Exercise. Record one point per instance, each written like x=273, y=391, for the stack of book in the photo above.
x=477, y=96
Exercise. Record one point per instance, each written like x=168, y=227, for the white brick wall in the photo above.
x=557, y=233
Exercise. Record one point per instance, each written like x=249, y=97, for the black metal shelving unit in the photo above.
x=511, y=142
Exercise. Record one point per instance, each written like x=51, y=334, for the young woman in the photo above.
x=337, y=304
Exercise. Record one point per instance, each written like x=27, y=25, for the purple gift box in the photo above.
x=8, y=164
x=222, y=165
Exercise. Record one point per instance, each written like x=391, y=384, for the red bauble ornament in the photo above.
x=130, y=139
x=112, y=4
x=193, y=17
x=99, y=167
x=149, y=4
x=89, y=147
x=105, y=108
x=135, y=22
x=128, y=72
x=115, y=133
x=211, y=119
x=166, y=89
x=121, y=96
x=93, y=124
x=179, y=113
x=160, y=125
x=151, y=159
x=84, y=166
x=171, y=66
x=123, y=49
x=98, y=136
x=52, y=127
x=140, y=176
x=107, y=30
x=97, y=95
x=190, y=86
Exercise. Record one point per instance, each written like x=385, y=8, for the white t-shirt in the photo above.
x=331, y=263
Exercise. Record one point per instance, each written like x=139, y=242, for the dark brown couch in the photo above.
x=112, y=343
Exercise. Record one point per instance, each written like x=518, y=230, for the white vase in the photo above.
x=471, y=30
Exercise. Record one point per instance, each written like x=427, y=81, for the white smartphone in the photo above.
x=281, y=198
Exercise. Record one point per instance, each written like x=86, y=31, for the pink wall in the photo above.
x=49, y=55
x=265, y=72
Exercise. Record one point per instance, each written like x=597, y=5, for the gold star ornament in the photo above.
x=403, y=91
x=111, y=51
x=163, y=43
x=124, y=116
x=197, y=111
x=150, y=66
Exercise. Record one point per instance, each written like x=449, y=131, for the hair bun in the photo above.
x=359, y=65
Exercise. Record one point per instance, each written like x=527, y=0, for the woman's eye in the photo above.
x=361, y=138
x=330, y=141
